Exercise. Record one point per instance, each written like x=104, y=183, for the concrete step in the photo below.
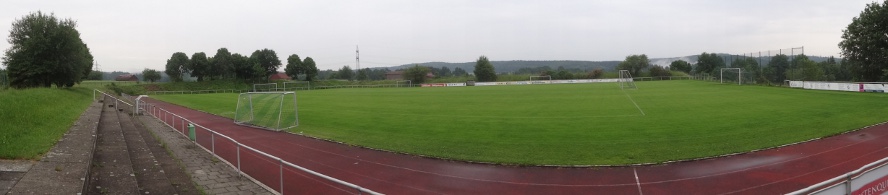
x=112, y=169
x=150, y=175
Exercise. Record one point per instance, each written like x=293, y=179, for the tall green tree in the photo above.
x=681, y=65
x=221, y=66
x=484, y=70
x=45, y=50
x=709, y=63
x=346, y=73
x=199, y=65
x=416, y=74
x=363, y=74
x=268, y=61
x=176, y=66
x=658, y=71
x=865, y=43
x=294, y=67
x=635, y=63
x=777, y=68
x=459, y=72
x=310, y=69
x=150, y=75
x=243, y=67
x=444, y=72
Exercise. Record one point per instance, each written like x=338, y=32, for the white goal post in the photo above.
x=547, y=77
x=267, y=110
x=265, y=87
x=739, y=75
x=297, y=85
x=626, y=81
x=409, y=83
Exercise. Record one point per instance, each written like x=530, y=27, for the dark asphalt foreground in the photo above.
x=773, y=171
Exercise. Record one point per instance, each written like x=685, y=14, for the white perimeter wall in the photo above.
x=836, y=86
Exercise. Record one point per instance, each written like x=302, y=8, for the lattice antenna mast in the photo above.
x=357, y=58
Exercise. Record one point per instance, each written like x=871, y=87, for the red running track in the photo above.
x=774, y=171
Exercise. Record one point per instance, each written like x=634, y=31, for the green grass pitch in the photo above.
x=572, y=124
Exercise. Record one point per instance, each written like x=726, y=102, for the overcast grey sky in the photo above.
x=133, y=35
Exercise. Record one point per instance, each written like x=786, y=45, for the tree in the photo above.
x=311, y=70
x=346, y=73
x=444, y=72
x=45, y=50
x=658, y=71
x=709, y=63
x=176, y=65
x=865, y=43
x=634, y=63
x=484, y=71
x=150, y=75
x=459, y=72
x=805, y=70
x=680, y=65
x=268, y=62
x=777, y=66
x=596, y=73
x=94, y=75
x=199, y=65
x=243, y=67
x=221, y=66
x=362, y=74
x=294, y=67
x=416, y=74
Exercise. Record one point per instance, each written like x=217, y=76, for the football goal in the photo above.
x=538, y=78
x=626, y=81
x=404, y=83
x=268, y=110
x=297, y=85
x=265, y=87
x=731, y=75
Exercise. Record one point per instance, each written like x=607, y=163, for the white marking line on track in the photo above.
x=637, y=182
x=633, y=102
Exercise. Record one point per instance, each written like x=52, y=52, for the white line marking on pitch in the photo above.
x=633, y=102
x=638, y=183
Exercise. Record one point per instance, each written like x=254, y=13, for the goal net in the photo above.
x=626, y=81
x=265, y=87
x=297, y=85
x=536, y=79
x=732, y=75
x=268, y=110
x=404, y=83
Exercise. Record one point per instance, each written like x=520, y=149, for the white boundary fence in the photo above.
x=869, y=179
x=178, y=123
x=840, y=86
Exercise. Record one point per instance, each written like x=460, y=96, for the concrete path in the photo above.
x=207, y=171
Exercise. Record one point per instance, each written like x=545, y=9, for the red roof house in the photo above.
x=279, y=76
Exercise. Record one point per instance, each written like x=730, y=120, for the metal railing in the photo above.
x=178, y=123
x=198, y=91
x=248, y=161
x=841, y=184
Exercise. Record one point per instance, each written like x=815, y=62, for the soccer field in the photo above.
x=571, y=124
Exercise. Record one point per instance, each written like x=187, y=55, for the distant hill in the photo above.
x=512, y=66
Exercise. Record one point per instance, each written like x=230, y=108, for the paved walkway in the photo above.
x=773, y=171
x=210, y=174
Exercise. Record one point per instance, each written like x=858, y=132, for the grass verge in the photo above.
x=35, y=119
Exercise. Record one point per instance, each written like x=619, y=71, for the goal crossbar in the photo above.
x=721, y=78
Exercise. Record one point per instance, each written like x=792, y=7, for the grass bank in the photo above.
x=35, y=119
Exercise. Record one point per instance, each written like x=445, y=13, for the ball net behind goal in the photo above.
x=269, y=110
